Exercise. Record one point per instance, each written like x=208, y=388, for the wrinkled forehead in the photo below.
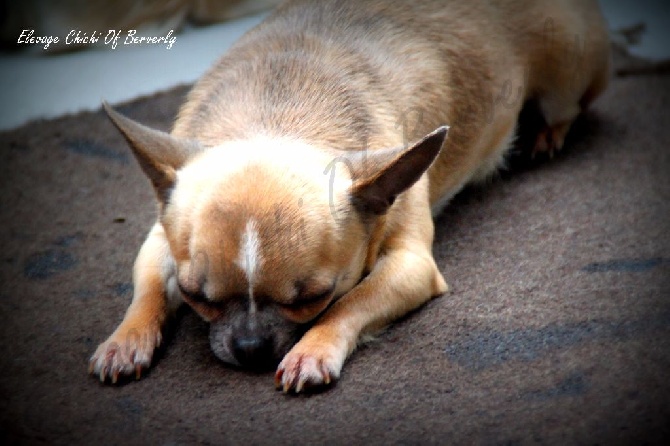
x=271, y=221
x=250, y=261
x=260, y=243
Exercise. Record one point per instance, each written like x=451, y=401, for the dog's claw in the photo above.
x=300, y=385
x=278, y=379
x=125, y=354
x=325, y=374
x=301, y=371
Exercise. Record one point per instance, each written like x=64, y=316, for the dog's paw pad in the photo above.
x=300, y=371
x=125, y=354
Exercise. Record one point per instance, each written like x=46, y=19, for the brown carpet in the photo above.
x=557, y=329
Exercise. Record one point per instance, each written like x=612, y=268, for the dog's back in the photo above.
x=349, y=75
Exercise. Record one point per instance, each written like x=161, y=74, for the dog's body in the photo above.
x=278, y=218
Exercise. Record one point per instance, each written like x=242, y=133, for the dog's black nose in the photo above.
x=253, y=351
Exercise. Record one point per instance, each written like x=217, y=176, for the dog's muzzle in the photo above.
x=258, y=349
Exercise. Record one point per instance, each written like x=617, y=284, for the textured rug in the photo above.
x=556, y=331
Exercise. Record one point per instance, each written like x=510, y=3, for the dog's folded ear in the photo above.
x=160, y=154
x=385, y=174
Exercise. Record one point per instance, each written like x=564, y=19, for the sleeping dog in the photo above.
x=297, y=188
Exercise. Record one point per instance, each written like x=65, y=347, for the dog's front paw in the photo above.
x=127, y=352
x=309, y=364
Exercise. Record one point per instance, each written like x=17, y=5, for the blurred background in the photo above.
x=37, y=83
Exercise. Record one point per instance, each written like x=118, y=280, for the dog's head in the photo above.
x=267, y=233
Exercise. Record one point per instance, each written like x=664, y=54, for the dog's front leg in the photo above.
x=402, y=280
x=131, y=347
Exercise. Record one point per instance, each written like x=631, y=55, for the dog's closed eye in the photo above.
x=308, y=297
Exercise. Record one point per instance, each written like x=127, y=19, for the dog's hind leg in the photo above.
x=561, y=107
x=559, y=112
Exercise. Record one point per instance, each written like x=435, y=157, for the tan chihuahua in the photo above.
x=297, y=189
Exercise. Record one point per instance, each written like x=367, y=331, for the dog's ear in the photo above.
x=388, y=173
x=160, y=155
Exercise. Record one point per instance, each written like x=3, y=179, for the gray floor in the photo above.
x=556, y=330
x=33, y=85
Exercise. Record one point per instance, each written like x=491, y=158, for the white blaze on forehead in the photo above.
x=249, y=257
